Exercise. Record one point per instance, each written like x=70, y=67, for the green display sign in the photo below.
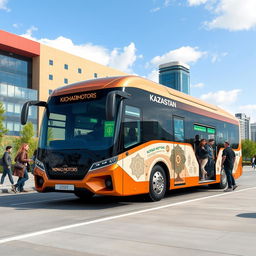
x=109, y=127
x=93, y=120
x=199, y=128
x=211, y=130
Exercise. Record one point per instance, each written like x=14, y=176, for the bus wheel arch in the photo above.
x=158, y=182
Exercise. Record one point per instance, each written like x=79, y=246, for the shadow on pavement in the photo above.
x=67, y=201
x=247, y=215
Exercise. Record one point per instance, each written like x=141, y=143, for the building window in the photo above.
x=65, y=81
x=50, y=91
x=10, y=107
x=9, y=126
x=79, y=70
x=95, y=75
x=50, y=77
x=51, y=62
x=16, y=127
x=15, y=70
x=17, y=108
x=66, y=66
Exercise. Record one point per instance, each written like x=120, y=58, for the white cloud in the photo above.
x=196, y=2
x=235, y=15
x=222, y=98
x=198, y=85
x=154, y=76
x=249, y=110
x=185, y=54
x=3, y=5
x=230, y=14
x=122, y=59
x=217, y=57
x=155, y=9
x=15, y=25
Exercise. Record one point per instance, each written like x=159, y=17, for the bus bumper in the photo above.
x=104, y=181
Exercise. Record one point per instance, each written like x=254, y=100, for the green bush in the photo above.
x=27, y=136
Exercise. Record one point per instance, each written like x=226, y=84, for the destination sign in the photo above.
x=78, y=97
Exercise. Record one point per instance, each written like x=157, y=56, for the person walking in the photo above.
x=7, y=164
x=202, y=156
x=211, y=158
x=22, y=158
x=253, y=160
x=228, y=159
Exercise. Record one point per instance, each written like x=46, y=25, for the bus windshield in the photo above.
x=77, y=125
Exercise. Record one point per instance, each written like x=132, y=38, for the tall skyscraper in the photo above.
x=253, y=132
x=175, y=75
x=244, y=126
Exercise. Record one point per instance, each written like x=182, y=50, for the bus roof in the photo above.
x=144, y=84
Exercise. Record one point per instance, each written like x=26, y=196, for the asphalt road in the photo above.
x=195, y=221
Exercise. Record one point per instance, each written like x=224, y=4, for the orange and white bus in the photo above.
x=127, y=135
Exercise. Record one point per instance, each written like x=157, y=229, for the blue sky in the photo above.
x=217, y=38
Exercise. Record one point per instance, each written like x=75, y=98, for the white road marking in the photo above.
x=51, y=230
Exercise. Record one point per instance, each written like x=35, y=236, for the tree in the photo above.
x=27, y=136
x=248, y=148
x=3, y=131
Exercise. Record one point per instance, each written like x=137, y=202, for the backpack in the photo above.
x=2, y=160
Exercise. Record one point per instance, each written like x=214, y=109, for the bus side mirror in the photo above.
x=25, y=108
x=111, y=103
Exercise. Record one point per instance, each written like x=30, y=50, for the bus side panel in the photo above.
x=238, y=168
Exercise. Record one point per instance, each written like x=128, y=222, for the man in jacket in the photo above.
x=228, y=159
x=7, y=163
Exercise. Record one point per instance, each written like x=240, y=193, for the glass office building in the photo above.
x=175, y=75
x=15, y=89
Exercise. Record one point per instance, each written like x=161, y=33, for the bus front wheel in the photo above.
x=157, y=183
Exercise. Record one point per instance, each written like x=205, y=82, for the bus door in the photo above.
x=211, y=165
x=203, y=132
x=178, y=156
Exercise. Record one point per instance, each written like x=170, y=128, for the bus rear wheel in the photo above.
x=157, y=184
x=84, y=194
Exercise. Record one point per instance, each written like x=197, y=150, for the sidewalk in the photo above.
x=6, y=187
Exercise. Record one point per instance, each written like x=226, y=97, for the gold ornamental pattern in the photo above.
x=137, y=166
x=178, y=160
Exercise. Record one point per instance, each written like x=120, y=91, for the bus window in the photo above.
x=56, y=127
x=178, y=129
x=132, y=134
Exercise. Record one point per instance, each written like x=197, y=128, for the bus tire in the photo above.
x=223, y=181
x=157, y=184
x=84, y=194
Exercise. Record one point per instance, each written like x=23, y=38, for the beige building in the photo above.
x=58, y=68
x=31, y=71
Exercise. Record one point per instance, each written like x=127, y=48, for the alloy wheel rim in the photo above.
x=158, y=182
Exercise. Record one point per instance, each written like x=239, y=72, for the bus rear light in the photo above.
x=104, y=163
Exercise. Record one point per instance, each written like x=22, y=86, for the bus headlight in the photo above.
x=104, y=163
x=39, y=165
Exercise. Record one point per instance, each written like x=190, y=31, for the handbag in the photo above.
x=19, y=166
